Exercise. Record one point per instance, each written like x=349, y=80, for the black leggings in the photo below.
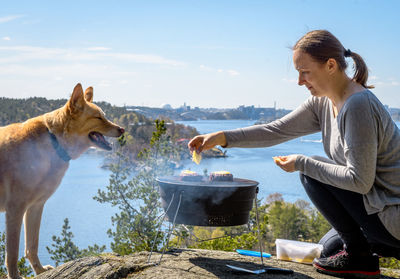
x=345, y=211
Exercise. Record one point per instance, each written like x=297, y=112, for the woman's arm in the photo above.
x=302, y=121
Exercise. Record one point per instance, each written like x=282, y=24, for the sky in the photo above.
x=215, y=53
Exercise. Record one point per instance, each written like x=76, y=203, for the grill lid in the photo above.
x=177, y=180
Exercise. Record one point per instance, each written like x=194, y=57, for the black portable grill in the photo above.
x=207, y=203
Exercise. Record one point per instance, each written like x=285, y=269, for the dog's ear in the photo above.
x=77, y=101
x=89, y=94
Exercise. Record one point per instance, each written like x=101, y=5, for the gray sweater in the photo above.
x=362, y=144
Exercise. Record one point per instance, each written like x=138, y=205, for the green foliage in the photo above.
x=24, y=269
x=19, y=110
x=317, y=225
x=296, y=221
x=226, y=238
x=287, y=221
x=278, y=219
x=135, y=192
x=65, y=250
x=227, y=242
x=389, y=263
x=2, y=253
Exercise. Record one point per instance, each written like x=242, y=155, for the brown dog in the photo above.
x=34, y=156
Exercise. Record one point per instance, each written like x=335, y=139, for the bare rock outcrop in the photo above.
x=182, y=263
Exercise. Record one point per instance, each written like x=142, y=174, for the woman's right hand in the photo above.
x=207, y=141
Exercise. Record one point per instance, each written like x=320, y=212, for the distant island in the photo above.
x=18, y=110
x=187, y=113
x=258, y=114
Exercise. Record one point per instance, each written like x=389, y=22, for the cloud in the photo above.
x=19, y=54
x=61, y=66
x=104, y=83
x=387, y=83
x=98, y=48
x=384, y=82
x=210, y=69
x=216, y=47
x=62, y=71
x=233, y=72
x=6, y=38
x=9, y=18
x=27, y=70
x=143, y=58
x=205, y=68
x=291, y=80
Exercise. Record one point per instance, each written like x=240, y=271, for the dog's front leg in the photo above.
x=14, y=216
x=32, y=225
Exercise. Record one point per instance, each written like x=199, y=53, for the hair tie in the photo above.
x=347, y=53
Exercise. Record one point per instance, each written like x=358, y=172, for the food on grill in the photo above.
x=188, y=175
x=196, y=157
x=221, y=176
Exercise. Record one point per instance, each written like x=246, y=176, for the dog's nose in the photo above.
x=121, y=130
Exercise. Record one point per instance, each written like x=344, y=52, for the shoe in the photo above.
x=349, y=266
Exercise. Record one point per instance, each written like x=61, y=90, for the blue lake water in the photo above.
x=90, y=220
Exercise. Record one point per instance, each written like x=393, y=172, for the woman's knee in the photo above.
x=331, y=242
x=307, y=181
x=302, y=178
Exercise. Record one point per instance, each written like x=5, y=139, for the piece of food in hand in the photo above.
x=279, y=159
x=221, y=176
x=196, y=157
x=188, y=175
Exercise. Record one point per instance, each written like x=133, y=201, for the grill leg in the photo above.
x=159, y=227
x=173, y=227
x=191, y=233
x=259, y=231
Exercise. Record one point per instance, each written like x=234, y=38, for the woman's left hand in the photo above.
x=287, y=163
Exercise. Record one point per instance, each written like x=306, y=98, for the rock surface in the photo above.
x=182, y=263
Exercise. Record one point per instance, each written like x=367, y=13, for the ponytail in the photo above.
x=361, y=70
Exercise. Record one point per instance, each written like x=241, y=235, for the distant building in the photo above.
x=167, y=106
x=183, y=108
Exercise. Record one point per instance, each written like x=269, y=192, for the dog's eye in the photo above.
x=99, y=118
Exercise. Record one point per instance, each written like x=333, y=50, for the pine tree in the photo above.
x=135, y=193
x=65, y=249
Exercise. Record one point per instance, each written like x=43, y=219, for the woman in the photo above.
x=357, y=188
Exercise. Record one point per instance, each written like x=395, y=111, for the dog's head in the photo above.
x=87, y=123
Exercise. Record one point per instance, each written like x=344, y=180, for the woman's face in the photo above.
x=312, y=74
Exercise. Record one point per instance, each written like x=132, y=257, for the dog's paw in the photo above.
x=48, y=267
x=43, y=269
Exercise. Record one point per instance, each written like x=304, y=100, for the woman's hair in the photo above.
x=322, y=45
